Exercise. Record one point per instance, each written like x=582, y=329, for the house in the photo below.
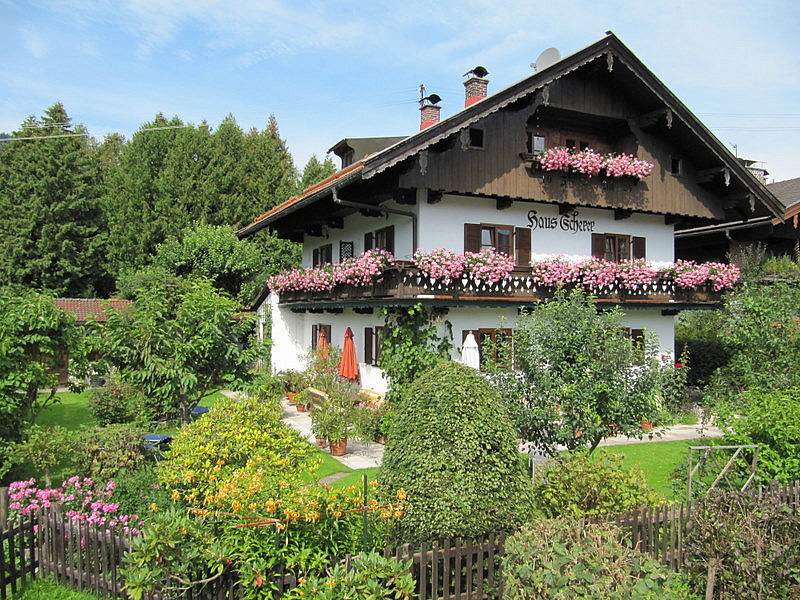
x=488, y=177
x=780, y=235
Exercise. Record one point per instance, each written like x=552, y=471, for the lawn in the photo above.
x=47, y=589
x=657, y=459
x=70, y=411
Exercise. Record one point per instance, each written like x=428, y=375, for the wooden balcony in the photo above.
x=406, y=284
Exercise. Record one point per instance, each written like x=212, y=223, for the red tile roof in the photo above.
x=307, y=192
x=84, y=308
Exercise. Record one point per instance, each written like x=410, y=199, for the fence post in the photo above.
x=365, y=540
x=3, y=508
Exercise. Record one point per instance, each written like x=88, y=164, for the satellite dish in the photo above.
x=546, y=58
x=478, y=71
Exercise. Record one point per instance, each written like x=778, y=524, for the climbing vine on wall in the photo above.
x=411, y=343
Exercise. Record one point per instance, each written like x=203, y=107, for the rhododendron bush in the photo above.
x=590, y=163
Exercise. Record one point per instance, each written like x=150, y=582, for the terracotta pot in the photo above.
x=339, y=447
x=647, y=425
x=292, y=396
x=300, y=407
x=379, y=439
x=321, y=442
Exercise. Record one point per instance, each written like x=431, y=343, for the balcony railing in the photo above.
x=406, y=282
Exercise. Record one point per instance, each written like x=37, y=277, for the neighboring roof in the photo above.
x=84, y=308
x=362, y=147
x=787, y=191
x=614, y=51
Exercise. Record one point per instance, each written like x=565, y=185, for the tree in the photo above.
x=177, y=344
x=54, y=233
x=581, y=379
x=452, y=450
x=215, y=253
x=316, y=171
x=36, y=337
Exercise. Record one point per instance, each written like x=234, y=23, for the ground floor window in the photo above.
x=494, y=344
x=315, y=331
x=372, y=344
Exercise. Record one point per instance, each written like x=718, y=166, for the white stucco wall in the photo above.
x=356, y=225
x=291, y=333
x=441, y=225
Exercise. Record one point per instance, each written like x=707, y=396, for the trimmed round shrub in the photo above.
x=578, y=484
x=451, y=449
x=117, y=402
x=564, y=559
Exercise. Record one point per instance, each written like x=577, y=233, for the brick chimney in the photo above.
x=429, y=115
x=476, y=87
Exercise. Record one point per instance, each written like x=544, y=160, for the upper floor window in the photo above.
x=345, y=251
x=322, y=255
x=382, y=239
x=616, y=247
x=475, y=137
x=676, y=167
x=514, y=241
x=536, y=143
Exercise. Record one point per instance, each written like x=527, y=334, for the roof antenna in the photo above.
x=433, y=98
x=735, y=149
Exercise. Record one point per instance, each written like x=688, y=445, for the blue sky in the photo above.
x=329, y=70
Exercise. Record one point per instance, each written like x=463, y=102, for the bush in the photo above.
x=370, y=577
x=575, y=484
x=138, y=489
x=45, y=447
x=770, y=419
x=561, y=559
x=697, y=333
x=106, y=452
x=117, y=402
x=451, y=447
x=48, y=589
x=740, y=546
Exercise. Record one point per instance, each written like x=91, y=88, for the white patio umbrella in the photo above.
x=470, y=355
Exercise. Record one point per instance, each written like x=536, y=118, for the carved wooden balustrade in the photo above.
x=406, y=282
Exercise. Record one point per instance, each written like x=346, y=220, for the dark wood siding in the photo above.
x=522, y=246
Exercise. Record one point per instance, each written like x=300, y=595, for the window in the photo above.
x=636, y=336
x=323, y=255
x=372, y=344
x=584, y=146
x=514, y=241
x=616, y=247
x=315, y=329
x=570, y=143
x=675, y=168
x=493, y=344
x=475, y=137
x=382, y=239
x=345, y=251
x=536, y=144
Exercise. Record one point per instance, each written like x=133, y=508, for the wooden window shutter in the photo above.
x=327, y=329
x=472, y=237
x=389, y=235
x=598, y=245
x=379, y=333
x=315, y=258
x=314, y=336
x=522, y=245
x=639, y=247
x=369, y=241
x=368, y=342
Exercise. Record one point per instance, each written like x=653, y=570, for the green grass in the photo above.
x=70, y=411
x=354, y=478
x=47, y=589
x=657, y=459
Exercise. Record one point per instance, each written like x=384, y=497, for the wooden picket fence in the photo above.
x=87, y=558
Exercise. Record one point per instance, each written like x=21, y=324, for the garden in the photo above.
x=234, y=507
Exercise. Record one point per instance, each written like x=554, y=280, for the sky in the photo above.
x=330, y=70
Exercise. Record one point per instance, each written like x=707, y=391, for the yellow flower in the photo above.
x=312, y=515
x=183, y=531
x=401, y=494
x=252, y=506
x=398, y=513
x=236, y=505
x=220, y=463
x=283, y=484
x=176, y=495
x=331, y=583
x=373, y=483
x=337, y=513
x=280, y=525
x=154, y=507
x=188, y=476
x=212, y=477
x=386, y=514
x=270, y=505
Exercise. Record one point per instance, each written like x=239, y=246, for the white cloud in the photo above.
x=33, y=41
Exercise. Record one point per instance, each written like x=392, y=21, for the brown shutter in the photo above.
x=472, y=237
x=639, y=247
x=368, y=335
x=315, y=258
x=379, y=331
x=369, y=241
x=314, y=336
x=327, y=329
x=389, y=239
x=598, y=245
x=522, y=245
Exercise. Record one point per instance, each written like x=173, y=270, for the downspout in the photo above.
x=384, y=210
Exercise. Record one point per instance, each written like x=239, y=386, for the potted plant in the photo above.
x=334, y=420
x=293, y=383
x=302, y=399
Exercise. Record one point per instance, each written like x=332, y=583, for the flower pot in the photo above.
x=338, y=447
x=379, y=439
x=321, y=442
x=647, y=425
x=300, y=407
x=292, y=396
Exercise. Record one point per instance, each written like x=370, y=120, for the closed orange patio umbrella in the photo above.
x=322, y=343
x=348, y=367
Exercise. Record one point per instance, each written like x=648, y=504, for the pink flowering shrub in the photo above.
x=636, y=274
x=597, y=273
x=591, y=163
x=82, y=500
x=489, y=265
x=556, y=271
x=440, y=263
x=689, y=274
x=364, y=269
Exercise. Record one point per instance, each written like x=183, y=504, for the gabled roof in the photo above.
x=85, y=308
x=363, y=147
x=616, y=55
x=787, y=192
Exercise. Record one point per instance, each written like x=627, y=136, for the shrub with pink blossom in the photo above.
x=82, y=499
x=363, y=270
x=636, y=274
x=597, y=273
x=440, y=263
x=556, y=271
x=591, y=163
x=489, y=265
x=587, y=162
x=555, y=159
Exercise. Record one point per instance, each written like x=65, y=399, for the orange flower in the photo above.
x=176, y=495
x=154, y=507
x=337, y=513
x=398, y=513
x=236, y=505
x=401, y=494
x=283, y=484
x=373, y=483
